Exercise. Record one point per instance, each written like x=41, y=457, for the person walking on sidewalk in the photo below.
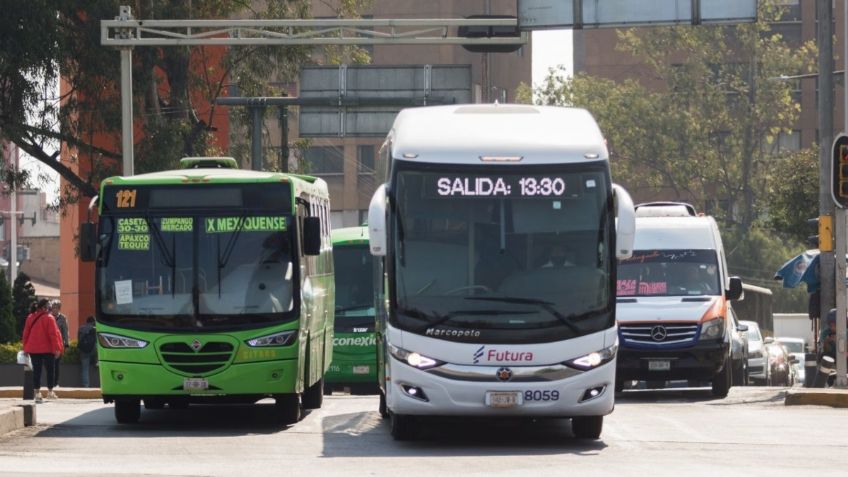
x=62, y=323
x=87, y=346
x=43, y=342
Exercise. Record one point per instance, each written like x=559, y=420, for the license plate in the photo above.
x=659, y=365
x=363, y=369
x=195, y=384
x=503, y=399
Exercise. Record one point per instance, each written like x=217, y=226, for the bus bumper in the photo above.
x=267, y=378
x=456, y=397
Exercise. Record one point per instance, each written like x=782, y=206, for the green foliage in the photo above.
x=7, y=319
x=755, y=255
x=9, y=352
x=23, y=296
x=71, y=355
x=793, y=194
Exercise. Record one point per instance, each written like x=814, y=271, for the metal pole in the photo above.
x=825, y=107
x=284, y=139
x=256, y=138
x=13, y=253
x=841, y=223
x=126, y=110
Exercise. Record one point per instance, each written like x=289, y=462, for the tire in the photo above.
x=313, y=397
x=588, y=427
x=127, y=411
x=740, y=374
x=154, y=404
x=723, y=380
x=383, y=409
x=287, y=408
x=402, y=427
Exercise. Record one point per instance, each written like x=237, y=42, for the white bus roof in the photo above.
x=465, y=133
x=674, y=233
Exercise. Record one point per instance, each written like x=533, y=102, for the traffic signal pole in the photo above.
x=841, y=246
x=827, y=272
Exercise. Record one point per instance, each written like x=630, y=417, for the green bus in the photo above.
x=354, y=365
x=212, y=285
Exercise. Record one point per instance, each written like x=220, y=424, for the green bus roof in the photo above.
x=206, y=176
x=350, y=236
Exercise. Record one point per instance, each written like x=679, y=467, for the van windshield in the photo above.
x=669, y=273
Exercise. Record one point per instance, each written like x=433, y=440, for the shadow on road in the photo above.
x=365, y=434
x=195, y=421
x=672, y=395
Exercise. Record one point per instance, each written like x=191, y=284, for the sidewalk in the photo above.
x=61, y=392
x=15, y=413
x=817, y=397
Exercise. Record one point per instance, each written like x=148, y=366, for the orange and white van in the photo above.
x=673, y=301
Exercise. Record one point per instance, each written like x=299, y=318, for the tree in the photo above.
x=23, y=296
x=703, y=130
x=8, y=333
x=793, y=195
x=43, y=40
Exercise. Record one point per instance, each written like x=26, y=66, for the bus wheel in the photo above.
x=384, y=411
x=723, y=380
x=127, y=411
x=154, y=403
x=588, y=427
x=287, y=408
x=402, y=427
x=313, y=397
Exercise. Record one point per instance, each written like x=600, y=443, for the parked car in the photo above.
x=797, y=348
x=758, y=369
x=738, y=349
x=781, y=371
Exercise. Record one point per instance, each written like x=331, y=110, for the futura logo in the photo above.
x=478, y=354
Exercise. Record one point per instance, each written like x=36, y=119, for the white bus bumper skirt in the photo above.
x=454, y=397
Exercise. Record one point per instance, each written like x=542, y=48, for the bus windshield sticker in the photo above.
x=177, y=224
x=629, y=288
x=137, y=242
x=251, y=224
x=123, y=292
x=133, y=225
x=552, y=186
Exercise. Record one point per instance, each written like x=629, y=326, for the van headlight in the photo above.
x=594, y=359
x=712, y=329
x=108, y=340
x=413, y=359
x=283, y=338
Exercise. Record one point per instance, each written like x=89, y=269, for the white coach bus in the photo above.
x=496, y=291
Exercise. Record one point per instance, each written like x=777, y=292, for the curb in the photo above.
x=16, y=417
x=817, y=397
x=62, y=393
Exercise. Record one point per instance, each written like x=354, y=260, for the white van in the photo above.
x=673, y=312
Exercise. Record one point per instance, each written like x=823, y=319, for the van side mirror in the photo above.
x=311, y=236
x=625, y=225
x=768, y=340
x=377, y=236
x=88, y=242
x=735, y=290
x=742, y=328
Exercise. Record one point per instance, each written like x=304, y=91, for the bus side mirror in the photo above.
x=311, y=236
x=88, y=242
x=735, y=290
x=625, y=226
x=377, y=222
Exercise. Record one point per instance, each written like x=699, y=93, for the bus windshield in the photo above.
x=669, y=273
x=354, y=288
x=192, y=272
x=513, y=255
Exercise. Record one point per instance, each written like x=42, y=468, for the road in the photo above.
x=656, y=433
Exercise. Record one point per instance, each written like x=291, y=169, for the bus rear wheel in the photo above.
x=127, y=411
x=588, y=427
x=313, y=397
x=287, y=408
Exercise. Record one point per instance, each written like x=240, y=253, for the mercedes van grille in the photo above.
x=659, y=333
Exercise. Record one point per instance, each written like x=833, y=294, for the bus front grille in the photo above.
x=206, y=359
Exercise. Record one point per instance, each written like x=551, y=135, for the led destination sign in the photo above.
x=507, y=186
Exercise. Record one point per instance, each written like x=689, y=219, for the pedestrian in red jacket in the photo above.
x=43, y=342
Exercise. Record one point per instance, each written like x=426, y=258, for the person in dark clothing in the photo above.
x=43, y=342
x=62, y=323
x=87, y=345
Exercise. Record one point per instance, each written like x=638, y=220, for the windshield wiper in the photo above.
x=169, y=256
x=228, y=249
x=545, y=305
x=453, y=314
x=353, y=307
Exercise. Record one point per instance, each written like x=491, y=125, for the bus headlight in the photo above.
x=283, y=338
x=595, y=359
x=413, y=359
x=108, y=340
x=712, y=329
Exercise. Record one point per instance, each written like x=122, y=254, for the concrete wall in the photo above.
x=44, y=262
